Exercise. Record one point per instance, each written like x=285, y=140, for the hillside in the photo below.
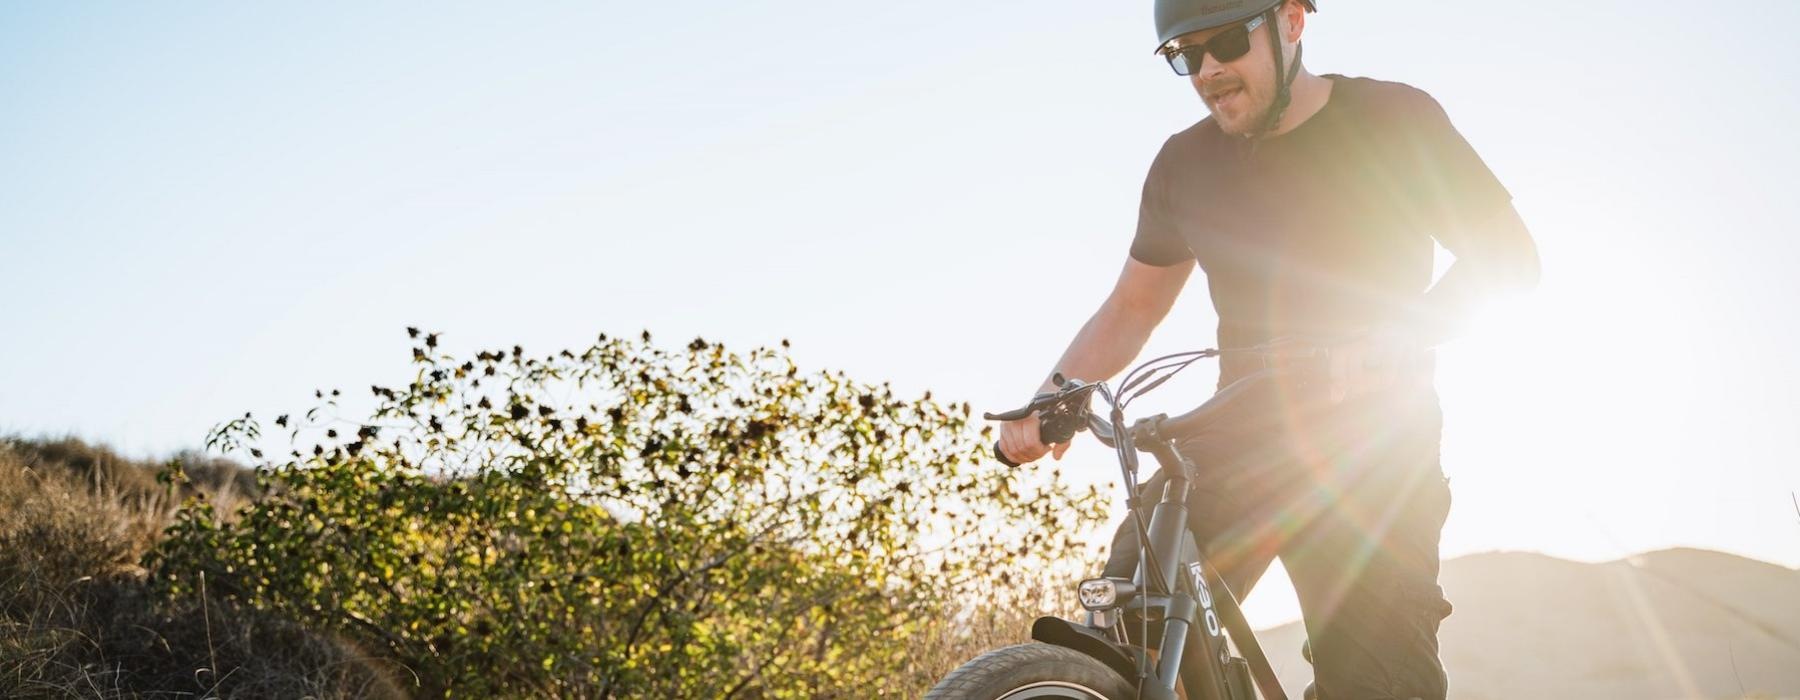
x=1678, y=623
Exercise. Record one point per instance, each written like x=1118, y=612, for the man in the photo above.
x=1311, y=202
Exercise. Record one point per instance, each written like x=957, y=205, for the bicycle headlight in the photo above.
x=1102, y=593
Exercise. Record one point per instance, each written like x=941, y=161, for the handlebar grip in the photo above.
x=1000, y=455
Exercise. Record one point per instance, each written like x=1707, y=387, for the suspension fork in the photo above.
x=1163, y=598
x=1167, y=529
x=1168, y=520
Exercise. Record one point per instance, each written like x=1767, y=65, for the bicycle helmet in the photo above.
x=1177, y=17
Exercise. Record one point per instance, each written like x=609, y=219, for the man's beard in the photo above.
x=1235, y=107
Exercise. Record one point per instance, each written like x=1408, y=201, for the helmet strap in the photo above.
x=1284, y=80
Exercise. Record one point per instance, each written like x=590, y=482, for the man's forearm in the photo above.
x=1104, y=346
x=1501, y=258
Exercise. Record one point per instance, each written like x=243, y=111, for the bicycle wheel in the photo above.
x=1033, y=672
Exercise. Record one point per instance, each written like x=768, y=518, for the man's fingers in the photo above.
x=1340, y=367
x=1019, y=440
x=1385, y=374
x=1006, y=447
x=1025, y=443
x=1061, y=447
x=1391, y=359
x=1010, y=442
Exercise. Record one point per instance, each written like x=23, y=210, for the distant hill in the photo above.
x=101, y=469
x=1677, y=623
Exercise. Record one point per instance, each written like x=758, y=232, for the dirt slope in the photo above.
x=1679, y=623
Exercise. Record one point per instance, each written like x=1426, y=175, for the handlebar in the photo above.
x=1065, y=412
x=1241, y=395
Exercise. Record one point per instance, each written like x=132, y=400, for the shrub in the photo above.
x=631, y=521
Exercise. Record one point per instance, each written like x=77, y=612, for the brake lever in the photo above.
x=1038, y=403
x=1066, y=387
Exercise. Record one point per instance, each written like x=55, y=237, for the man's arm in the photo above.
x=1109, y=341
x=1470, y=213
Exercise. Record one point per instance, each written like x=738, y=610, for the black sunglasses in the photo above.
x=1226, y=46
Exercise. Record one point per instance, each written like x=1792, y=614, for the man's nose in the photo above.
x=1210, y=69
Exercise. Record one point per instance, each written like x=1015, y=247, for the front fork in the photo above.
x=1179, y=593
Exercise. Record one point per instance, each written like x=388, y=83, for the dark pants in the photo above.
x=1352, y=498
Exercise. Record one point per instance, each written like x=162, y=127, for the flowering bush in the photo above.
x=630, y=521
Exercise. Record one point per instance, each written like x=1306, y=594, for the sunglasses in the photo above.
x=1226, y=46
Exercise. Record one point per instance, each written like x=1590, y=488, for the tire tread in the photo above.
x=983, y=677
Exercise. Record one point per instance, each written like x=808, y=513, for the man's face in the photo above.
x=1240, y=91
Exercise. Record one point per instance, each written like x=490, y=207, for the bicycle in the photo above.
x=1175, y=593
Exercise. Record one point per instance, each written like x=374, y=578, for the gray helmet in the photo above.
x=1177, y=17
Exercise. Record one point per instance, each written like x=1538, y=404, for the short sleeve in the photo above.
x=1454, y=189
x=1158, y=241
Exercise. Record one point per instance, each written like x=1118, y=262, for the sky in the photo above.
x=208, y=208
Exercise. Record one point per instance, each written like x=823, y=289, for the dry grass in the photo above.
x=78, y=619
x=988, y=624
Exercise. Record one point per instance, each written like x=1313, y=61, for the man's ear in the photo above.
x=1292, y=20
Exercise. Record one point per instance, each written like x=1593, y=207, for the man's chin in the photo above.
x=1232, y=122
x=1233, y=127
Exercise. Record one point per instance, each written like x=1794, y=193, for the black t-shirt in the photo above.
x=1324, y=230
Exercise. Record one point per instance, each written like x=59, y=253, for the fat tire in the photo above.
x=1001, y=671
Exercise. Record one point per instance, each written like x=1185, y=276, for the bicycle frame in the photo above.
x=1175, y=591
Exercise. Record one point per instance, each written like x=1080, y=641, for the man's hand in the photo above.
x=1019, y=440
x=1373, y=361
